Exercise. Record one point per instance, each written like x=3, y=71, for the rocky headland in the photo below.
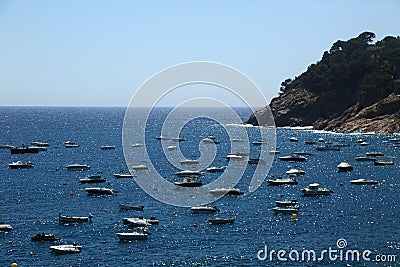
x=355, y=87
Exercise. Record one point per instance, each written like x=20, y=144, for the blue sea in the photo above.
x=364, y=218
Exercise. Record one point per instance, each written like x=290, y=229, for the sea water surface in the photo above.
x=367, y=217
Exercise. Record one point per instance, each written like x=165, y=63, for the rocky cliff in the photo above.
x=355, y=87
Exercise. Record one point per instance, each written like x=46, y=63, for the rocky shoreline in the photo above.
x=355, y=88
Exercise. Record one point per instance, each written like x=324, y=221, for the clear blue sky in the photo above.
x=97, y=53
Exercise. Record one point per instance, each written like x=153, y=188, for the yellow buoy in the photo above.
x=294, y=217
x=383, y=182
x=14, y=264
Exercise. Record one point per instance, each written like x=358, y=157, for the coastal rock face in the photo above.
x=354, y=88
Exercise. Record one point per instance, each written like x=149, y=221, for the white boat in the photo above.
x=345, y=166
x=122, y=175
x=362, y=158
x=210, y=141
x=295, y=171
x=99, y=191
x=4, y=227
x=314, y=190
x=260, y=142
x=135, y=235
x=66, y=249
x=290, y=180
x=139, y=167
x=178, y=139
x=237, y=140
x=189, y=161
x=136, y=222
x=70, y=144
x=364, y=143
x=221, y=220
x=188, y=182
x=189, y=173
x=21, y=165
x=107, y=147
x=44, y=237
x=363, y=181
x=234, y=157
x=172, y=147
x=204, y=210
x=286, y=210
x=39, y=148
x=293, y=139
x=216, y=169
x=287, y=203
x=77, y=167
x=40, y=144
x=226, y=191
x=383, y=163
x=255, y=161
x=293, y=158
x=162, y=137
x=274, y=152
x=74, y=219
x=137, y=145
x=96, y=178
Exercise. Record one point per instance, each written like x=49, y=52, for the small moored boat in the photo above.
x=383, y=163
x=131, y=236
x=70, y=144
x=293, y=158
x=204, y=210
x=107, y=147
x=136, y=222
x=99, y=191
x=178, y=139
x=77, y=167
x=188, y=182
x=4, y=227
x=226, y=191
x=21, y=165
x=363, y=181
x=314, y=190
x=66, y=249
x=295, y=171
x=344, y=167
x=74, y=219
x=286, y=203
x=260, y=142
x=45, y=237
x=122, y=175
x=189, y=161
x=286, y=210
x=96, y=178
x=139, y=167
x=290, y=180
x=374, y=154
x=216, y=169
